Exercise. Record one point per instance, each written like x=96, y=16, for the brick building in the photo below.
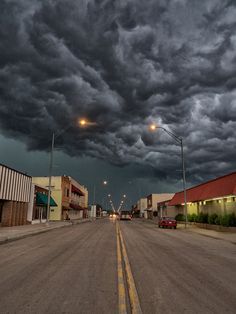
x=15, y=189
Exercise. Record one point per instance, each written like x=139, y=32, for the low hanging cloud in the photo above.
x=122, y=64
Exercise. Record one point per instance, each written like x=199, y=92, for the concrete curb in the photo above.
x=211, y=227
x=30, y=233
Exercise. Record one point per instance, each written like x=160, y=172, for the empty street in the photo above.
x=74, y=270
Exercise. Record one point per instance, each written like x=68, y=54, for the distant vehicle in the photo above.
x=167, y=222
x=125, y=215
x=104, y=213
x=114, y=215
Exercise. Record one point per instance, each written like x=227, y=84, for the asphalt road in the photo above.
x=74, y=270
x=179, y=272
x=68, y=270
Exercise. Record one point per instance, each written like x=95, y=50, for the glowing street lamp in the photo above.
x=82, y=122
x=179, y=140
x=152, y=127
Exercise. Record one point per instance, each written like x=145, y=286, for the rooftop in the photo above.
x=219, y=187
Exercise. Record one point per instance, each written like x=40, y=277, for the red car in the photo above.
x=167, y=222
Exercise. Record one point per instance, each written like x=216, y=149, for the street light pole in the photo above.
x=50, y=178
x=184, y=182
x=94, y=194
x=82, y=123
x=180, y=141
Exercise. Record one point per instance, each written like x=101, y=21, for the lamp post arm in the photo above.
x=62, y=131
x=175, y=137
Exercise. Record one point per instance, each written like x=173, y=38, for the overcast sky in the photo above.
x=122, y=64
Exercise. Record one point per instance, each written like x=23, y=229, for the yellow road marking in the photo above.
x=121, y=286
x=133, y=295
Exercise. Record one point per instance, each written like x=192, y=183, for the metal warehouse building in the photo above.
x=15, y=190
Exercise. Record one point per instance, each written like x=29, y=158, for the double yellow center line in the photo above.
x=133, y=295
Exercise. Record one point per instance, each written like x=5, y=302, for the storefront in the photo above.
x=37, y=212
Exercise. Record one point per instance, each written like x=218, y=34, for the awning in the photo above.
x=76, y=190
x=42, y=199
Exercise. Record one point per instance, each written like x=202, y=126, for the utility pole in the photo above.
x=50, y=178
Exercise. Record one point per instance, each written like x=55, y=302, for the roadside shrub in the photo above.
x=232, y=220
x=192, y=217
x=225, y=220
x=212, y=219
x=202, y=218
x=218, y=219
x=180, y=217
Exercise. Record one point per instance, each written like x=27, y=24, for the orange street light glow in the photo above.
x=83, y=122
x=152, y=127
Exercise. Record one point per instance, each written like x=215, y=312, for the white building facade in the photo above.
x=142, y=206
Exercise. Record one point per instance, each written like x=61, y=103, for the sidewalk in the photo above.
x=18, y=232
x=219, y=235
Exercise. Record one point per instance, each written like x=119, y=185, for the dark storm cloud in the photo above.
x=122, y=64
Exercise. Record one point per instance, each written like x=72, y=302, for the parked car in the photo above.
x=125, y=215
x=167, y=222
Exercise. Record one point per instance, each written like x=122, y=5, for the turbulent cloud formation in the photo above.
x=123, y=64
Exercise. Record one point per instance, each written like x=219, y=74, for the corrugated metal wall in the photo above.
x=14, y=186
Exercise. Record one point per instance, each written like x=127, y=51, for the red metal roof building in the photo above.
x=221, y=187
